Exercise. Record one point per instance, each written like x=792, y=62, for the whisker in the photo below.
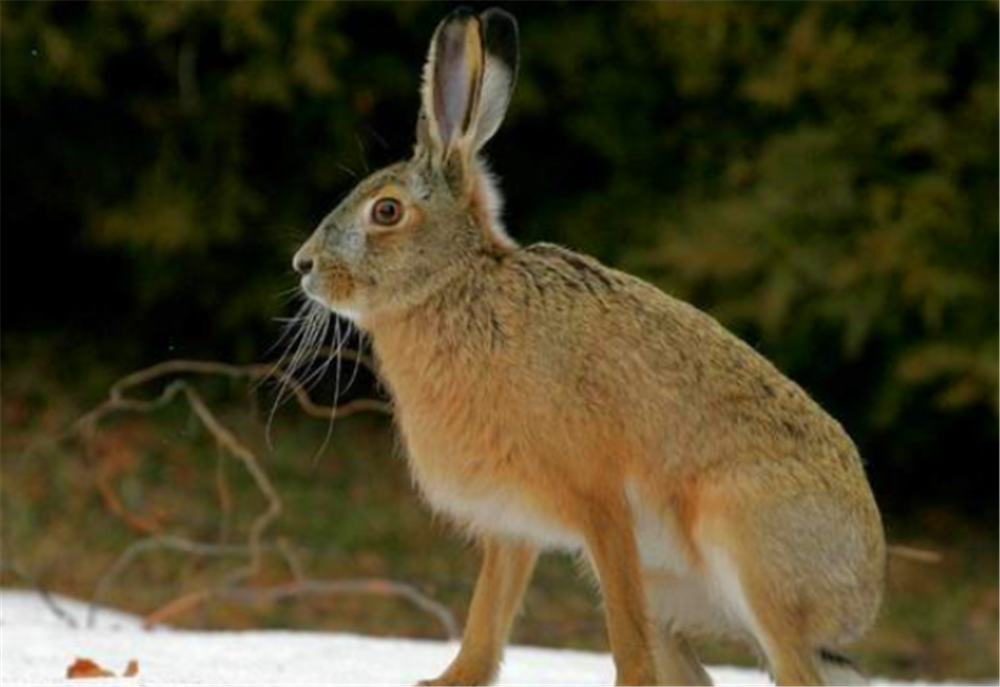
x=285, y=297
x=335, y=353
x=313, y=376
x=357, y=357
x=292, y=290
x=381, y=141
x=306, y=339
x=302, y=366
x=364, y=154
x=289, y=328
x=345, y=168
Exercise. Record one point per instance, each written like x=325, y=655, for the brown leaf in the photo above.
x=132, y=669
x=85, y=668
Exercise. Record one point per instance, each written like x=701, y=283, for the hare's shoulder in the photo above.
x=552, y=269
x=558, y=274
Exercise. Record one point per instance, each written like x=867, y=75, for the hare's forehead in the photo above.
x=399, y=176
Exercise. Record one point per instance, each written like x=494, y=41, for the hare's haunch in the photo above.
x=548, y=401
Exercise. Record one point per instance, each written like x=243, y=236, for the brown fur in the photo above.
x=548, y=401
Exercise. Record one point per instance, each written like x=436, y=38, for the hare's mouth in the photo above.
x=334, y=289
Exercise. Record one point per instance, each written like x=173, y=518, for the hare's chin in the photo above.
x=347, y=313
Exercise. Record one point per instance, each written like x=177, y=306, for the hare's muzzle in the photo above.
x=302, y=264
x=327, y=281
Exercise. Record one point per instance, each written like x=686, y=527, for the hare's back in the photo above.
x=633, y=347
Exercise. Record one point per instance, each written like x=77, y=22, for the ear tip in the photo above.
x=460, y=13
x=496, y=20
x=501, y=36
x=498, y=12
x=455, y=21
x=498, y=17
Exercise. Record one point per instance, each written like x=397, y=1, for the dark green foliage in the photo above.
x=821, y=177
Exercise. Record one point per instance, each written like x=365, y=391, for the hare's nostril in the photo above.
x=302, y=265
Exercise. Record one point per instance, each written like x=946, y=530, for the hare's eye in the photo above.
x=387, y=212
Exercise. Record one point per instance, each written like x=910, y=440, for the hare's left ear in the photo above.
x=468, y=81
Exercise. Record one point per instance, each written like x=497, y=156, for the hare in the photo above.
x=547, y=401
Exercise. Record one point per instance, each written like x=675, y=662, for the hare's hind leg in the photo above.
x=797, y=563
x=506, y=570
x=672, y=600
x=774, y=625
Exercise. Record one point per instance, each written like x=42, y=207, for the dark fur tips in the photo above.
x=501, y=38
x=836, y=659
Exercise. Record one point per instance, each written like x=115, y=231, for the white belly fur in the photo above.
x=681, y=596
x=503, y=513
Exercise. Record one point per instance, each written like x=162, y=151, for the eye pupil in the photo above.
x=387, y=211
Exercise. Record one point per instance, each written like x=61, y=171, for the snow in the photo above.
x=36, y=647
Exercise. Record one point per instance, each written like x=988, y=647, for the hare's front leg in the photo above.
x=611, y=543
x=507, y=567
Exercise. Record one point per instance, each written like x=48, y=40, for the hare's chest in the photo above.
x=467, y=441
x=481, y=486
x=504, y=511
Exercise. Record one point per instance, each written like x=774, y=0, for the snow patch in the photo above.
x=36, y=647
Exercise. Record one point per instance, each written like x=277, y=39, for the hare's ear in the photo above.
x=468, y=80
x=500, y=37
x=452, y=78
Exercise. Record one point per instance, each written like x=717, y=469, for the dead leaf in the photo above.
x=85, y=668
x=132, y=669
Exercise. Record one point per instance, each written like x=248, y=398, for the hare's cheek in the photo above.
x=338, y=284
x=352, y=246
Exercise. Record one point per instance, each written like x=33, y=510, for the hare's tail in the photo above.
x=838, y=670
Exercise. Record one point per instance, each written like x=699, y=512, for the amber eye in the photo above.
x=387, y=212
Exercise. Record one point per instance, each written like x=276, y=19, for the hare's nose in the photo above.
x=302, y=264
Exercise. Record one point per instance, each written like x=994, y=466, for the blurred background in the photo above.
x=823, y=178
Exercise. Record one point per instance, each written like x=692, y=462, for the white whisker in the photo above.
x=336, y=351
x=308, y=333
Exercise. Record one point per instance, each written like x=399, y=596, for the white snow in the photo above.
x=36, y=647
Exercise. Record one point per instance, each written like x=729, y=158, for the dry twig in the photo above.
x=912, y=553
x=118, y=401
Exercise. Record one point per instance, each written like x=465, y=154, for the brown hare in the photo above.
x=547, y=401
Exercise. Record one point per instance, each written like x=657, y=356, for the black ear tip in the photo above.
x=460, y=13
x=500, y=14
x=500, y=21
x=501, y=34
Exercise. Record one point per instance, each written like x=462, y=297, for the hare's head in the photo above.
x=406, y=229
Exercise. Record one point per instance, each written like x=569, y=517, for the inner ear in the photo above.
x=453, y=79
x=458, y=70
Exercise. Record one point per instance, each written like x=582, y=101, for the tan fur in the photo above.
x=505, y=573
x=548, y=401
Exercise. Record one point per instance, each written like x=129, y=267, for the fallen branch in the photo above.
x=10, y=564
x=157, y=543
x=302, y=587
x=118, y=401
x=915, y=554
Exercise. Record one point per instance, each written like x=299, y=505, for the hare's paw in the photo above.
x=460, y=676
x=451, y=680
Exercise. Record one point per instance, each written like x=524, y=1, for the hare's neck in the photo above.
x=440, y=345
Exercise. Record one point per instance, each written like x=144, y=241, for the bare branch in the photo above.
x=12, y=565
x=256, y=547
x=913, y=553
x=303, y=587
x=157, y=543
